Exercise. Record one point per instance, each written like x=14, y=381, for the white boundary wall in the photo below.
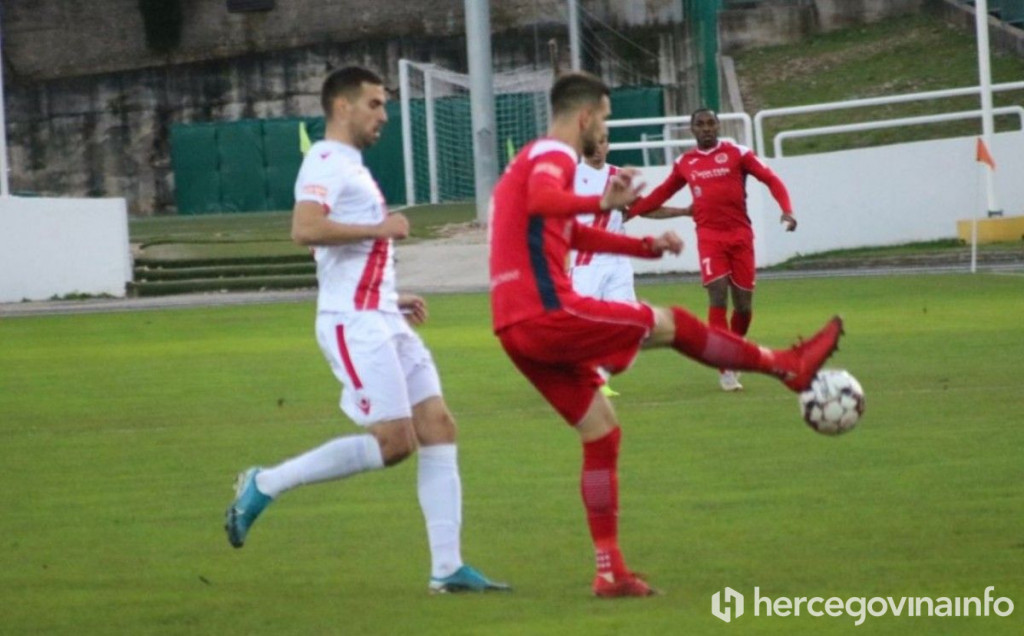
x=854, y=198
x=63, y=246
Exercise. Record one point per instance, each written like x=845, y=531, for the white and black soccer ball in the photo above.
x=834, y=402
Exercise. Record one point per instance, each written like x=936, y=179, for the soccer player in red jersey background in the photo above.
x=717, y=174
x=559, y=339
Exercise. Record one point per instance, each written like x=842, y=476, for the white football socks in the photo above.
x=336, y=459
x=440, y=494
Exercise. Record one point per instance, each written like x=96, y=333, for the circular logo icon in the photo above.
x=721, y=158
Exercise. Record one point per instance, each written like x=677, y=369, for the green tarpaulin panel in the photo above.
x=251, y=165
x=195, y=161
x=632, y=103
x=283, y=159
x=243, y=175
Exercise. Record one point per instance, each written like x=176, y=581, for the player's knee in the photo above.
x=397, y=440
x=434, y=423
x=718, y=293
x=664, y=329
x=440, y=428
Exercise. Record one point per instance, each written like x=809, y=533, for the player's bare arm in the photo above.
x=413, y=307
x=668, y=212
x=656, y=199
x=310, y=227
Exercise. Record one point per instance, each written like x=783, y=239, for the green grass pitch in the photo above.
x=120, y=436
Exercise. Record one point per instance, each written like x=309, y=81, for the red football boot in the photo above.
x=798, y=365
x=607, y=586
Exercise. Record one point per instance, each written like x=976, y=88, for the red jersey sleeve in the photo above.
x=590, y=239
x=550, y=188
x=657, y=198
x=752, y=165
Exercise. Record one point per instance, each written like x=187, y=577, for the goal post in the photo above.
x=437, y=135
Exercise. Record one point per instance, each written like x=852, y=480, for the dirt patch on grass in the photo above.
x=467, y=233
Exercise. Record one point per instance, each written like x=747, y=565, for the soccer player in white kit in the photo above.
x=390, y=385
x=604, y=276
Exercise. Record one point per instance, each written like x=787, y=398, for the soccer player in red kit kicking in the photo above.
x=559, y=339
x=717, y=173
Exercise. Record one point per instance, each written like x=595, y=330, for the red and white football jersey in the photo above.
x=593, y=181
x=717, y=177
x=358, y=275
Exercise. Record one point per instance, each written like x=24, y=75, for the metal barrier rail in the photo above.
x=743, y=118
x=871, y=101
x=890, y=123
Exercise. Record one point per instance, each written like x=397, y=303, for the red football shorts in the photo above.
x=729, y=253
x=561, y=351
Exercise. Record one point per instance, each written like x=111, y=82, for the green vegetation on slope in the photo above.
x=896, y=56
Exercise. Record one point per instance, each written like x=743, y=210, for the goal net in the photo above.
x=437, y=136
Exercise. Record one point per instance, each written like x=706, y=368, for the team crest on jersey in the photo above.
x=364, y=405
x=721, y=158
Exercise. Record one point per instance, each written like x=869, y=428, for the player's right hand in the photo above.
x=394, y=226
x=668, y=242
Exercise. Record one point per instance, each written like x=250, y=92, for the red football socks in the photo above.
x=740, y=322
x=717, y=318
x=599, y=486
x=716, y=347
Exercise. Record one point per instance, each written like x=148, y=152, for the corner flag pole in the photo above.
x=5, y=187
x=985, y=75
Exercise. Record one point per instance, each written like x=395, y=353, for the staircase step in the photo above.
x=169, y=263
x=187, y=286
x=161, y=273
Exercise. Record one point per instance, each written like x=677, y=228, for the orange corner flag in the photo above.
x=983, y=155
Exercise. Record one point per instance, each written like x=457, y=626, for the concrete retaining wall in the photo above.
x=56, y=247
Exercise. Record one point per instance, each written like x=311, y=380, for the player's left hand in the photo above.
x=413, y=307
x=788, y=221
x=667, y=242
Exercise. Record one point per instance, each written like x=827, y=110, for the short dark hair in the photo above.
x=347, y=82
x=702, y=109
x=573, y=90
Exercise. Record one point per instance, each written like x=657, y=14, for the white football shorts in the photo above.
x=605, y=281
x=383, y=366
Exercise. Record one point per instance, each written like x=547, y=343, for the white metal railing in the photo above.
x=663, y=143
x=890, y=123
x=743, y=118
x=871, y=101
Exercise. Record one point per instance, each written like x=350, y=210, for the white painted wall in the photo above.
x=854, y=198
x=63, y=246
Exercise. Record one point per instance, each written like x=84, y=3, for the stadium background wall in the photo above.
x=250, y=165
x=90, y=108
